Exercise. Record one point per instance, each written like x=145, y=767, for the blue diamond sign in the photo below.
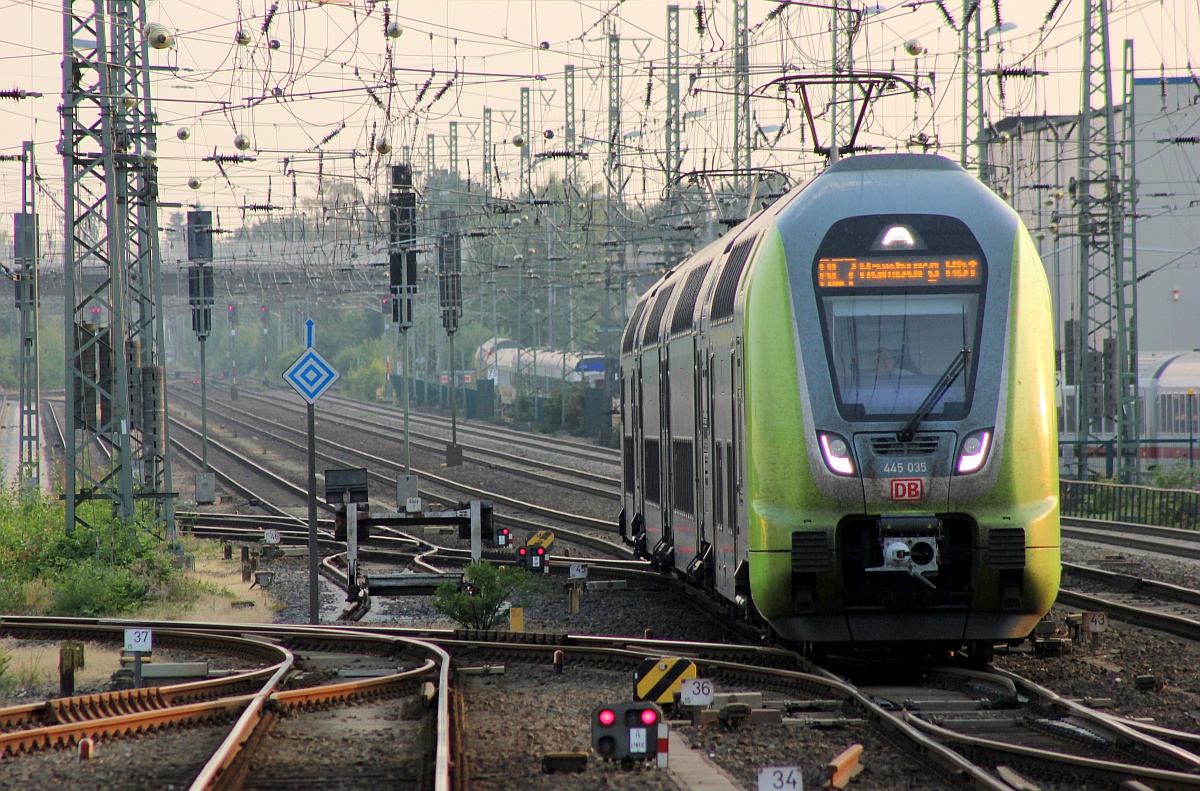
x=310, y=375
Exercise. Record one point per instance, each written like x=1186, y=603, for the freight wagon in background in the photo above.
x=513, y=367
x=1168, y=416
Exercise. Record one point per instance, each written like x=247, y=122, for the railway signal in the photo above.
x=630, y=731
x=503, y=537
x=533, y=559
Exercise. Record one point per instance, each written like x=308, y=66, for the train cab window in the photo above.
x=901, y=297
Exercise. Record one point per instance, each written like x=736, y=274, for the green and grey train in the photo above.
x=841, y=416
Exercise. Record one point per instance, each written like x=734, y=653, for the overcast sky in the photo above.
x=476, y=53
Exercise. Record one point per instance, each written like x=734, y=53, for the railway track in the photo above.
x=511, y=511
x=961, y=725
x=272, y=693
x=1037, y=735
x=487, y=433
x=556, y=474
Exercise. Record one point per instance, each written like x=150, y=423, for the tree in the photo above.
x=479, y=602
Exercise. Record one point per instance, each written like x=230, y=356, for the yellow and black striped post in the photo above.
x=660, y=679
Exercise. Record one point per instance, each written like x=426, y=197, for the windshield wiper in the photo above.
x=947, y=379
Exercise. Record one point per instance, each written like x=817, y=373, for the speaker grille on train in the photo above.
x=920, y=445
x=810, y=551
x=1007, y=548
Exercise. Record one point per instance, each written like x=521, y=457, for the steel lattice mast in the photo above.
x=113, y=326
x=973, y=120
x=1106, y=340
x=26, y=264
x=673, y=147
x=742, y=145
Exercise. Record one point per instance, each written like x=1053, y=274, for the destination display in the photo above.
x=851, y=272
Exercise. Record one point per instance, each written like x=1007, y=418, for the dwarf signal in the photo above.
x=630, y=731
x=533, y=559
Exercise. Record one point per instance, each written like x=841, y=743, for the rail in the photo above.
x=1119, y=502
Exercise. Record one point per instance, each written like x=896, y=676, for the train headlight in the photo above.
x=974, y=450
x=837, y=454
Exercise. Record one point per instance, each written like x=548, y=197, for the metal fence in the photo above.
x=1143, y=505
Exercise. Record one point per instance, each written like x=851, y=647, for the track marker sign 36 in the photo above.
x=780, y=778
x=696, y=692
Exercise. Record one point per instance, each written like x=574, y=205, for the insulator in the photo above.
x=650, y=86
x=158, y=36
x=228, y=159
x=445, y=87
x=378, y=102
x=15, y=93
x=700, y=26
x=996, y=12
x=331, y=135
x=266, y=25
x=258, y=207
x=945, y=13
x=1053, y=10
x=424, y=88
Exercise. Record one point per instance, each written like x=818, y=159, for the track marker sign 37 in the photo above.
x=139, y=640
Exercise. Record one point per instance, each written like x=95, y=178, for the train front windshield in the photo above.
x=901, y=297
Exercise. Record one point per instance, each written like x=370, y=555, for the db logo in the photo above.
x=907, y=489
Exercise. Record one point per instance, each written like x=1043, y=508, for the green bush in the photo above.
x=106, y=567
x=479, y=603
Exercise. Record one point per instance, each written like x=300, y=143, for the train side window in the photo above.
x=685, y=308
x=654, y=323
x=629, y=469
x=731, y=486
x=652, y=471
x=725, y=292
x=683, y=476
x=719, y=485
x=631, y=330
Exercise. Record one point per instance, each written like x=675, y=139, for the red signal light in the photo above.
x=231, y=307
x=541, y=550
x=522, y=551
x=649, y=716
x=607, y=717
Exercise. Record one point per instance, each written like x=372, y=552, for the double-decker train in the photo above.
x=841, y=415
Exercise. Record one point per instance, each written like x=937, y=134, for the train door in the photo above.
x=700, y=446
x=664, y=424
x=725, y=546
x=635, y=387
x=736, y=454
x=650, y=407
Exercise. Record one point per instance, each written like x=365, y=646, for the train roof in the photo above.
x=892, y=162
x=1179, y=370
